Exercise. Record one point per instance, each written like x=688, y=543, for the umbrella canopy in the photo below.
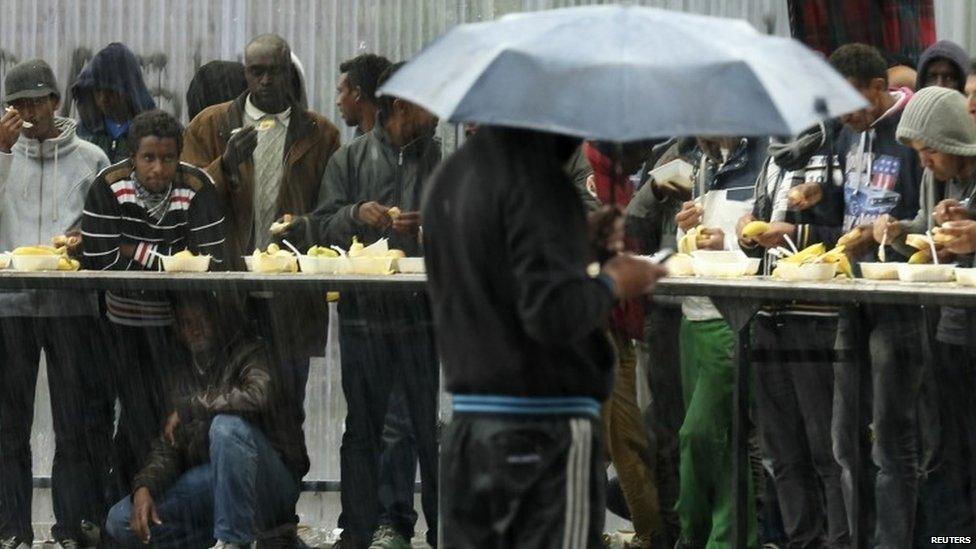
x=623, y=73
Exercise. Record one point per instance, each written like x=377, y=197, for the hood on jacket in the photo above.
x=61, y=145
x=943, y=49
x=214, y=83
x=114, y=68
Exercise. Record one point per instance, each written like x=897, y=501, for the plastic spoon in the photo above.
x=790, y=242
x=158, y=256
x=935, y=256
x=291, y=247
x=884, y=241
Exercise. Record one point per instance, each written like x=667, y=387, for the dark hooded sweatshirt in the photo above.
x=115, y=68
x=943, y=49
x=506, y=247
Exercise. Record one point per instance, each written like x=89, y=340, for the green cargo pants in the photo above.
x=705, y=497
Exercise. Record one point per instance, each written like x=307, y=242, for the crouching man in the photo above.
x=227, y=467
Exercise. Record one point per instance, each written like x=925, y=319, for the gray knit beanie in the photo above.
x=938, y=118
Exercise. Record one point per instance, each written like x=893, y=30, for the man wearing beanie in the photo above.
x=936, y=123
x=45, y=172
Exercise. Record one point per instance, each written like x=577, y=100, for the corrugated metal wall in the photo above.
x=174, y=37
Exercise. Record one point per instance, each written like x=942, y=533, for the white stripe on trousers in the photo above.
x=576, y=529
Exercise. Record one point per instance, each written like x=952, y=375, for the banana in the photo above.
x=807, y=254
x=394, y=213
x=795, y=194
x=38, y=250
x=941, y=238
x=917, y=241
x=68, y=264
x=397, y=254
x=356, y=248
x=920, y=257
x=754, y=228
x=849, y=237
x=322, y=251
x=184, y=253
x=689, y=242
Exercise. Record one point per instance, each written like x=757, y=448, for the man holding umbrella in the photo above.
x=520, y=324
x=518, y=299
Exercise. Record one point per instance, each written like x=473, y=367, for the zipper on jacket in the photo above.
x=40, y=209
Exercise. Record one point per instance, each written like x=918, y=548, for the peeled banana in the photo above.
x=754, y=228
x=940, y=237
x=356, y=248
x=184, y=253
x=918, y=241
x=849, y=237
x=394, y=213
x=322, y=251
x=689, y=242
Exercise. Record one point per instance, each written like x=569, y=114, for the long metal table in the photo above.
x=739, y=299
x=230, y=281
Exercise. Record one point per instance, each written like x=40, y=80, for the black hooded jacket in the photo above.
x=943, y=49
x=506, y=246
x=114, y=68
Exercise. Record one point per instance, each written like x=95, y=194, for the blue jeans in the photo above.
x=890, y=393
x=245, y=487
x=371, y=360
x=77, y=475
x=794, y=392
x=398, y=467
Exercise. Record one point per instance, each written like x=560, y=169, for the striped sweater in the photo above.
x=114, y=215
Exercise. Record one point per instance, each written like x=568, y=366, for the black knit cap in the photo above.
x=30, y=79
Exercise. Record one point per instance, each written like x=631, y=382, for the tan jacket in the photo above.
x=309, y=145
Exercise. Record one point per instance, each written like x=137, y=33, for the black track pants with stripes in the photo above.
x=517, y=481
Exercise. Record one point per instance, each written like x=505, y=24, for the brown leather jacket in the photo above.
x=309, y=145
x=239, y=383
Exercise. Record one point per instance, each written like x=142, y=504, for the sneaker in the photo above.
x=14, y=543
x=386, y=537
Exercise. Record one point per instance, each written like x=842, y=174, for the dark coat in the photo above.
x=239, y=383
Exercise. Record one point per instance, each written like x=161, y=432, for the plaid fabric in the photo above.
x=904, y=27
